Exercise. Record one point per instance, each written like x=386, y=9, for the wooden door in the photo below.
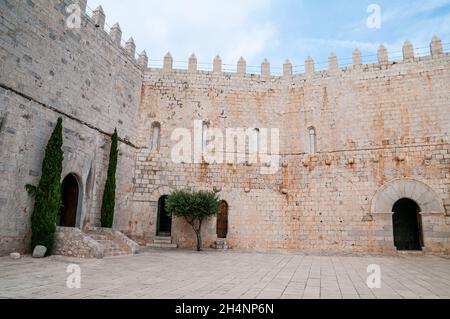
x=222, y=221
x=69, y=208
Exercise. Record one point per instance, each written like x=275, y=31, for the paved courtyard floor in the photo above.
x=227, y=275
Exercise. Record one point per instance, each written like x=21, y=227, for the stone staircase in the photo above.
x=221, y=244
x=162, y=242
x=411, y=253
x=110, y=247
x=94, y=242
x=113, y=242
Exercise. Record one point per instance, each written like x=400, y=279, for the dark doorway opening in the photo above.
x=222, y=221
x=69, y=201
x=164, y=224
x=407, y=224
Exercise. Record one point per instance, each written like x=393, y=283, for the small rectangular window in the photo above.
x=312, y=140
x=156, y=132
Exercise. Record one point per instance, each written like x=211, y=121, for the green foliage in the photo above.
x=109, y=194
x=194, y=207
x=47, y=194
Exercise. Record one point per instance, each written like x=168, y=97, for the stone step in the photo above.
x=163, y=245
x=163, y=238
x=110, y=247
x=411, y=252
x=162, y=241
x=98, y=237
x=221, y=245
x=114, y=254
x=113, y=249
x=102, y=241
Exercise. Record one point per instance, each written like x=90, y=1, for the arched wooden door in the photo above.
x=164, y=224
x=69, y=199
x=222, y=221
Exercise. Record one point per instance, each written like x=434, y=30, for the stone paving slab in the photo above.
x=184, y=274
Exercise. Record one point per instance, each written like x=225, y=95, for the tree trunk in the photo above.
x=198, y=233
x=199, y=241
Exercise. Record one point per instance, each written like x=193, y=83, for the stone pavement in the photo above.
x=227, y=275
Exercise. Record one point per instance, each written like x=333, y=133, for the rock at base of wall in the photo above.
x=39, y=251
x=14, y=255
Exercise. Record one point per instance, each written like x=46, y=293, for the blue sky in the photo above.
x=275, y=29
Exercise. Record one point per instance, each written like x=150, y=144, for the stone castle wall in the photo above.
x=47, y=71
x=374, y=124
x=381, y=135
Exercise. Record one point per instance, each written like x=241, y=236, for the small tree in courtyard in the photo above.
x=47, y=195
x=109, y=194
x=194, y=207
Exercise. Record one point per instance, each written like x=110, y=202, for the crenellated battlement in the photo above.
x=93, y=77
x=97, y=18
x=310, y=70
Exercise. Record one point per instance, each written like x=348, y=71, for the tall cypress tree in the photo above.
x=47, y=194
x=109, y=194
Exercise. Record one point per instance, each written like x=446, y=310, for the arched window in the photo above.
x=204, y=137
x=253, y=146
x=257, y=133
x=312, y=140
x=156, y=132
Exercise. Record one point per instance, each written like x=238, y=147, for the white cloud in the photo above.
x=234, y=28
x=407, y=21
x=250, y=44
x=412, y=9
x=394, y=14
x=231, y=28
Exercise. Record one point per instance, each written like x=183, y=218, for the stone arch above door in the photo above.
x=160, y=191
x=79, y=166
x=386, y=197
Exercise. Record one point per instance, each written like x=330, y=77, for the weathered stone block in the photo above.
x=14, y=255
x=39, y=251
